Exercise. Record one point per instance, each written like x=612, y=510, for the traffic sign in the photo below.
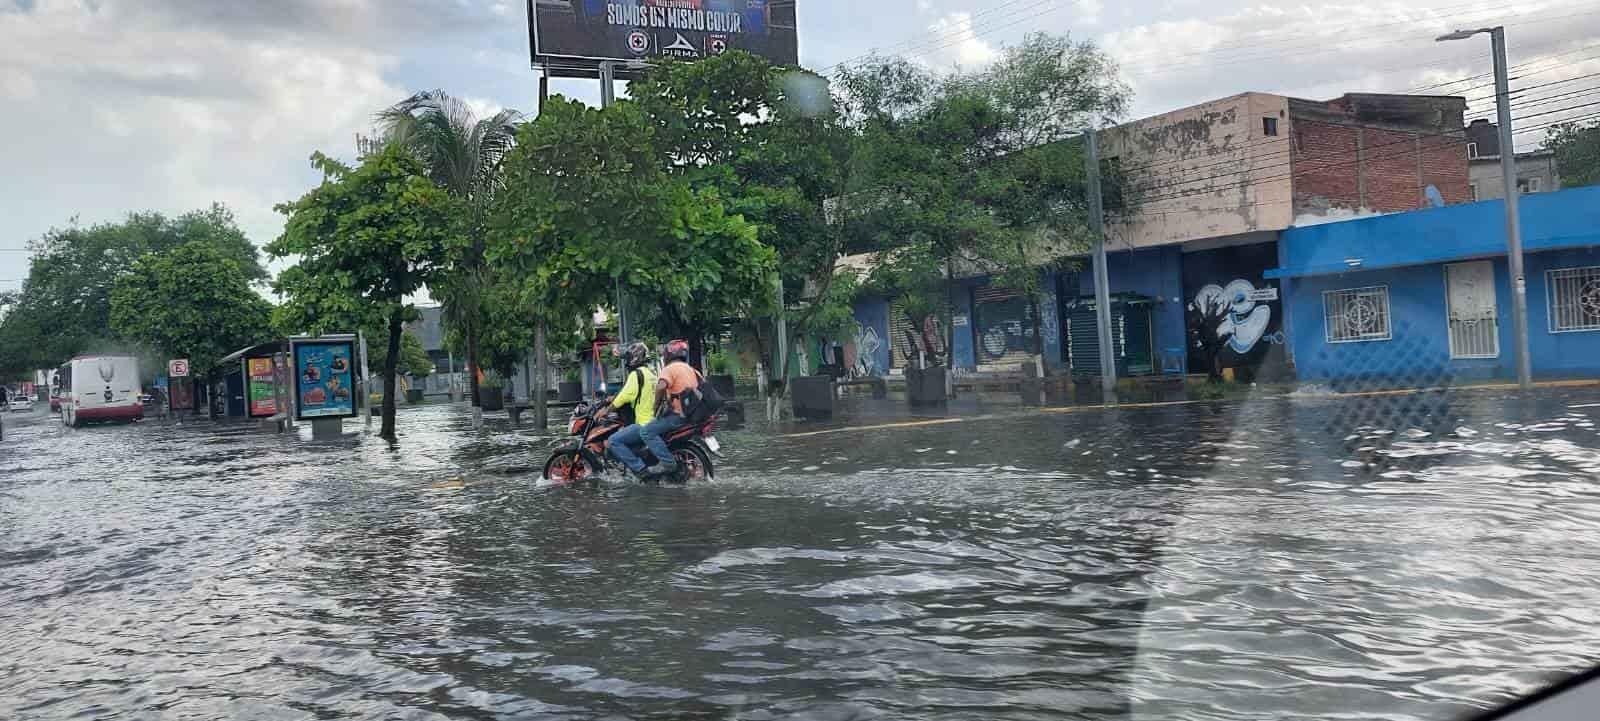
x=178, y=368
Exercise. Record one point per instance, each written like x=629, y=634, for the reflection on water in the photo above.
x=1393, y=557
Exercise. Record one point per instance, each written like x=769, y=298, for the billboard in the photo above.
x=259, y=381
x=571, y=37
x=324, y=374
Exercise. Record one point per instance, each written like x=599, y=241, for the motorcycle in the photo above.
x=594, y=423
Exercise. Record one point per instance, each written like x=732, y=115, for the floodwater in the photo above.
x=1380, y=558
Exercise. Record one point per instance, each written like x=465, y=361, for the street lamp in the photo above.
x=1508, y=173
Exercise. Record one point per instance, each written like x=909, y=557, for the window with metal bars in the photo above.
x=1574, y=298
x=1357, y=314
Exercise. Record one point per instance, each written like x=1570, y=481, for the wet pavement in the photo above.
x=1394, y=557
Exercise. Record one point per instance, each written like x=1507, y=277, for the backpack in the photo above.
x=627, y=414
x=701, y=403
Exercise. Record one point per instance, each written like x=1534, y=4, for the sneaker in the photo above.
x=660, y=470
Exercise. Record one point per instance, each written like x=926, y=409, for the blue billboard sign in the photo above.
x=324, y=379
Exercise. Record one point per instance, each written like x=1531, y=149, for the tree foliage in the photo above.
x=1577, y=149
x=588, y=206
x=976, y=173
x=414, y=360
x=366, y=240
x=463, y=154
x=771, y=142
x=192, y=302
x=64, y=306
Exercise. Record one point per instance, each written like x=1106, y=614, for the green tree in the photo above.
x=463, y=155
x=588, y=205
x=192, y=302
x=771, y=142
x=976, y=172
x=414, y=359
x=64, y=306
x=366, y=240
x=1577, y=149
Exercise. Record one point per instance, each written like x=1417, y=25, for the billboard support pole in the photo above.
x=541, y=358
x=608, y=97
x=366, y=393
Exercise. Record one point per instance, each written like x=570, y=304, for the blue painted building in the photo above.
x=1424, y=298
x=994, y=326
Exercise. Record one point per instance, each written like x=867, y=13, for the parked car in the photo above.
x=20, y=403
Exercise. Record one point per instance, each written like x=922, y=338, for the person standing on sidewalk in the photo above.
x=677, y=378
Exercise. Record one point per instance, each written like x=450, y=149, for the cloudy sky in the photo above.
x=120, y=105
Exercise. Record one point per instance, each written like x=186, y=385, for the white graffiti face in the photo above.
x=1245, y=316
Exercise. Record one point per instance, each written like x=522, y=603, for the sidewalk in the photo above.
x=860, y=413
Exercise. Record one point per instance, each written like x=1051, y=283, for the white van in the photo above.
x=100, y=388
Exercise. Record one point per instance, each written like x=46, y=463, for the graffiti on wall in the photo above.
x=1239, y=314
x=1234, y=315
x=865, y=346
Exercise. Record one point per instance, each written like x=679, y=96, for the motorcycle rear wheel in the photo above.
x=694, y=464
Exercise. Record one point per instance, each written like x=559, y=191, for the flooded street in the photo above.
x=1412, y=557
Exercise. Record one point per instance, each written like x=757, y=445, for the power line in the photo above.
x=1364, y=42
x=1253, y=44
x=904, y=45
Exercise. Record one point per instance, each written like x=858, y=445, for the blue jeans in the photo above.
x=654, y=437
x=622, y=444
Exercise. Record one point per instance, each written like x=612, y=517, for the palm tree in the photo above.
x=463, y=154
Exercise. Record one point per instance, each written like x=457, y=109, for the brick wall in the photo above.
x=1347, y=164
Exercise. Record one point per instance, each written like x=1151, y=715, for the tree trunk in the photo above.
x=1038, y=329
x=472, y=362
x=387, y=429
x=697, y=346
x=541, y=379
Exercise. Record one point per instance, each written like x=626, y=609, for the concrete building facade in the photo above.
x=1536, y=170
x=1207, y=190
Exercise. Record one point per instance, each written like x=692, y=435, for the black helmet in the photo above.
x=635, y=355
x=676, y=350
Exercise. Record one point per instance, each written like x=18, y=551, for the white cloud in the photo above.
x=957, y=44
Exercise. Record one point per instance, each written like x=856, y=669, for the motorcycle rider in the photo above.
x=637, y=399
x=677, y=378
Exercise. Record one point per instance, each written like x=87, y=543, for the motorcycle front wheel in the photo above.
x=567, y=466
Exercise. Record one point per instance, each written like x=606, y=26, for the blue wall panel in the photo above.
x=1154, y=272
x=868, y=350
x=1568, y=218
x=1419, y=352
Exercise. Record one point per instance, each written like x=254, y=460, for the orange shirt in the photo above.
x=680, y=377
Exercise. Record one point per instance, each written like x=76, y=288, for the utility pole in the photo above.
x=1102, y=289
x=1508, y=175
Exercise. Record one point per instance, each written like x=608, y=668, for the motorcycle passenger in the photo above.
x=677, y=378
x=636, y=404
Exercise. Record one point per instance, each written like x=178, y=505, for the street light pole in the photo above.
x=1508, y=175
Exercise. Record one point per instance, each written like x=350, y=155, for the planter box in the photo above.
x=926, y=387
x=1057, y=391
x=569, y=391
x=492, y=399
x=414, y=396
x=813, y=397
x=1031, y=389
x=723, y=384
x=1086, y=390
